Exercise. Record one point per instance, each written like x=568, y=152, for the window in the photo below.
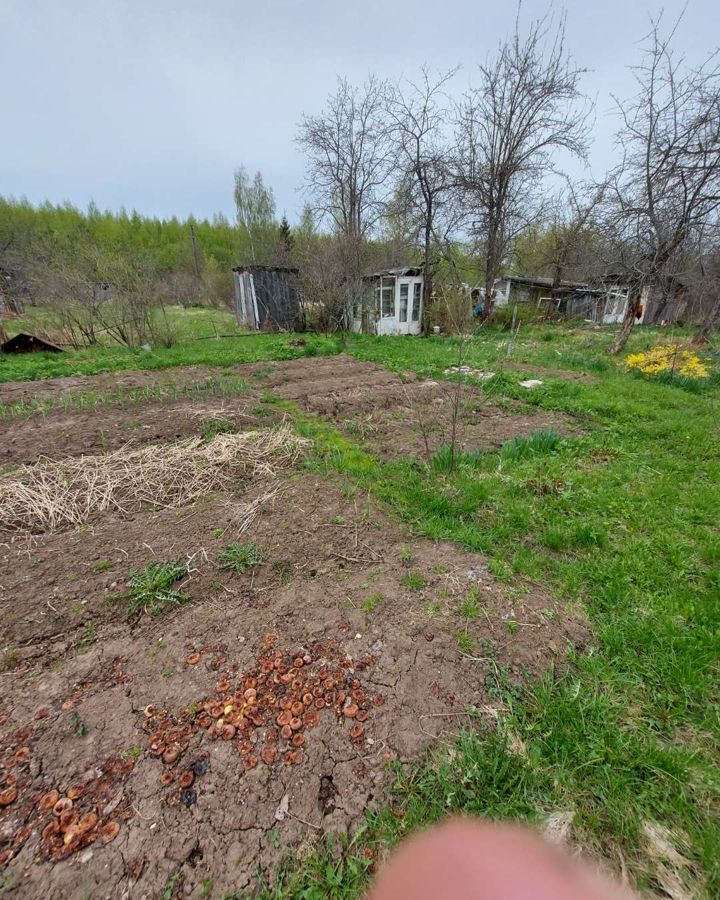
x=417, y=295
x=387, y=293
x=404, y=288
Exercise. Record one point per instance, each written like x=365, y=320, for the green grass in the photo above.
x=413, y=580
x=230, y=351
x=240, y=557
x=630, y=733
x=150, y=589
x=619, y=520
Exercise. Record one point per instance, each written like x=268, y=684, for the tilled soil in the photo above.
x=394, y=417
x=160, y=735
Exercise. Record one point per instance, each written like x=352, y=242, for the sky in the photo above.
x=151, y=105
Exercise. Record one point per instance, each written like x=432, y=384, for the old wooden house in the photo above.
x=267, y=298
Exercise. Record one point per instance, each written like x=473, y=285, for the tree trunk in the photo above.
x=630, y=318
x=712, y=321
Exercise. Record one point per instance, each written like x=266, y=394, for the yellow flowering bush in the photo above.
x=668, y=358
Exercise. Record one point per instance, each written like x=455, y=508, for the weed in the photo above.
x=540, y=442
x=337, y=520
x=470, y=607
x=372, y=602
x=284, y=571
x=465, y=642
x=215, y=585
x=406, y=557
x=102, y=565
x=511, y=625
x=240, y=557
x=218, y=532
x=211, y=428
x=79, y=727
x=149, y=589
x=413, y=580
x=132, y=753
x=89, y=637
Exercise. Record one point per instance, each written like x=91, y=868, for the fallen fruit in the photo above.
x=192, y=659
x=87, y=822
x=47, y=801
x=75, y=792
x=250, y=762
x=186, y=779
x=171, y=755
x=8, y=796
x=21, y=835
x=167, y=778
x=350, y=711
x=356, y=732
x=109, y=832
x=286, y=732
x=269, y=755
x=298, y=739
x=63, y=805
x=22, y=755
x=188, y=797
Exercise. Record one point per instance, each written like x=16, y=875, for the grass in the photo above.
x=240, y=557
x=620, y=520
x=150, y=589
x=630, y=733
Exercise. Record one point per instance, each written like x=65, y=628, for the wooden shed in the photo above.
x=267, y=298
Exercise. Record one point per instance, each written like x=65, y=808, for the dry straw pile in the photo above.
x=56, y=494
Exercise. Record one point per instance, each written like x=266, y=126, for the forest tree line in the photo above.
x=470, y=187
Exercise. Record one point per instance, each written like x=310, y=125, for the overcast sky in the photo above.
x=152, y=104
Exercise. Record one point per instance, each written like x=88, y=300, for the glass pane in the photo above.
x=404, y=288
x=388, y=298
x=417, y=294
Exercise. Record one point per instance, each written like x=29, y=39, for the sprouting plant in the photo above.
x=240, y=557
x=511, y=625
x=406, y=557
x=150, y=589
x=372, y=602
x=465, y=642
x=211, y=428
x=413, y=580
x=78, y=725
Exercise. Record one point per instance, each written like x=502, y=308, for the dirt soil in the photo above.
x=135, y=751
x=393, y=416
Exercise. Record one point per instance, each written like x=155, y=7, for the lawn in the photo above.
x=619, y=520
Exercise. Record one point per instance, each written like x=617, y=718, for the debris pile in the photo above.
x=88, y=811
x=268, y=711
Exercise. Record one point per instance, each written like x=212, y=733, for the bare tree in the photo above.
x=419, y=115
x=667, y=188
x=571, y=231
x=526, y=107
x=255, y=204
x=709, y=290
x=349, y=162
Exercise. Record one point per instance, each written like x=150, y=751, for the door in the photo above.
x=404, y=299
